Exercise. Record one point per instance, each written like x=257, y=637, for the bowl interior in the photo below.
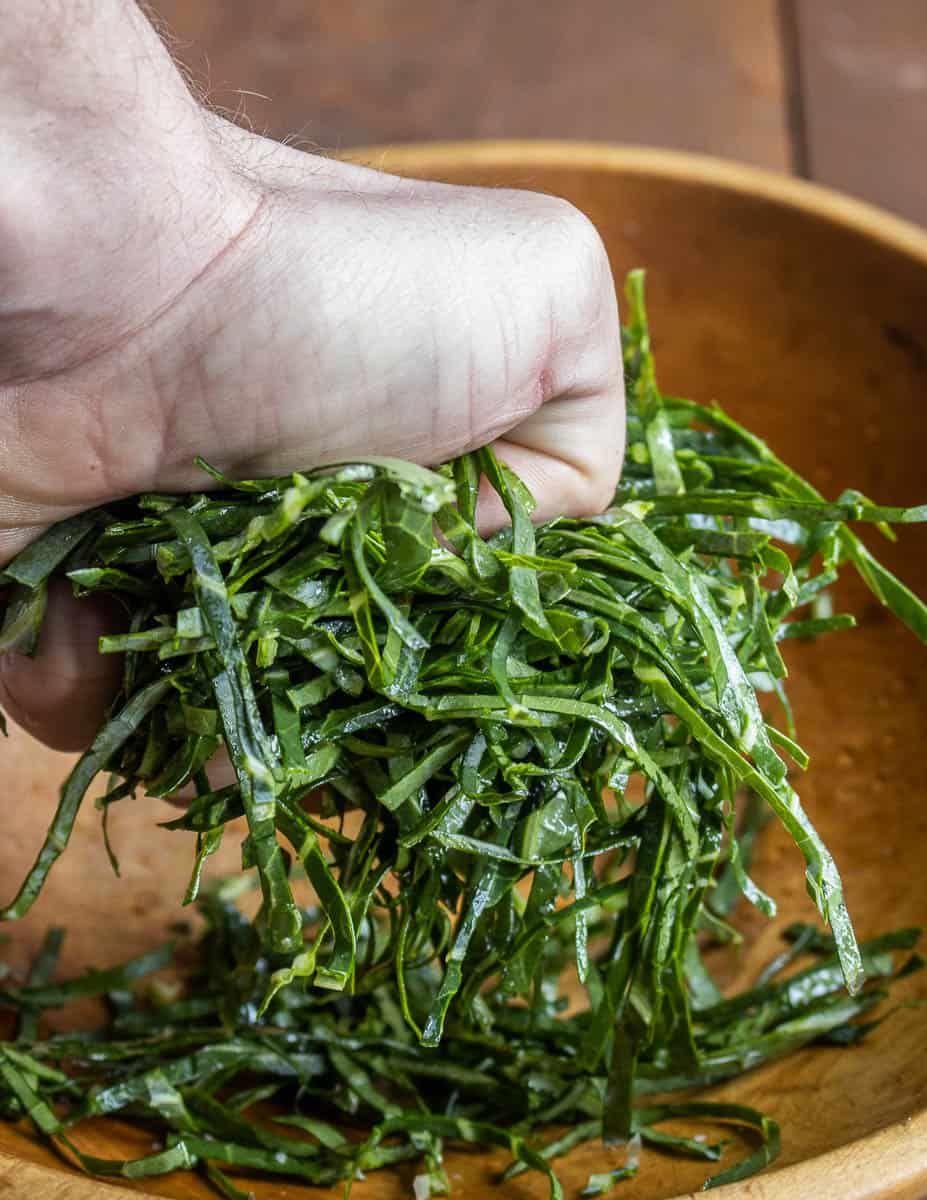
x=810, y=325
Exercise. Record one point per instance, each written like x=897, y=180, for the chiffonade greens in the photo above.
x=543, y=764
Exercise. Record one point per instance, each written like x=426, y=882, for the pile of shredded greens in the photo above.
x=543, y=759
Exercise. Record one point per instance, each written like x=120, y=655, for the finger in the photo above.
x=569, y=450
x=60, y=695
x=568, y=454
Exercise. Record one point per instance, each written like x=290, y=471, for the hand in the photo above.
x=173, y=285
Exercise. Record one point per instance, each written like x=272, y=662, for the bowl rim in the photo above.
x=816, y=199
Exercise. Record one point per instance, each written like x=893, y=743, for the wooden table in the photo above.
x=835, y=90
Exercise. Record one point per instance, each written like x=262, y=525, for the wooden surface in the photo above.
x=863, y=69
x=832, y=89
x=800, y=312
x=400, y=70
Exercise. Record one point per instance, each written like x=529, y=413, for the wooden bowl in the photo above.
x=805, y=314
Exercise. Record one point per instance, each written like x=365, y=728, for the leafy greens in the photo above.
x=532, y=749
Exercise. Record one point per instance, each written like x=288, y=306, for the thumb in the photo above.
x=61, y=694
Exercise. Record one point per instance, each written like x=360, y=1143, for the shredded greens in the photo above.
x=542, y=756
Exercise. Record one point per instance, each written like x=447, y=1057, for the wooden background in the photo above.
x=835, y=90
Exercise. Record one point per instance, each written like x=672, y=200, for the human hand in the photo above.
x=173, y=285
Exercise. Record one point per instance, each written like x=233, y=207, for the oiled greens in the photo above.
x=531, y=748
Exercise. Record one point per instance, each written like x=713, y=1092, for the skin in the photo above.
x=172, y=285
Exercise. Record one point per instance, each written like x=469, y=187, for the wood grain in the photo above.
x=863, y=74
x=799, y=311
x=701, y=75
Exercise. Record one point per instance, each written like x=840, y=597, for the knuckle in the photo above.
x=570, y=234
x=577, y=274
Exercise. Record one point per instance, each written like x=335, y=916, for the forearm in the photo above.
x=104, y=153
x=58, y=56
